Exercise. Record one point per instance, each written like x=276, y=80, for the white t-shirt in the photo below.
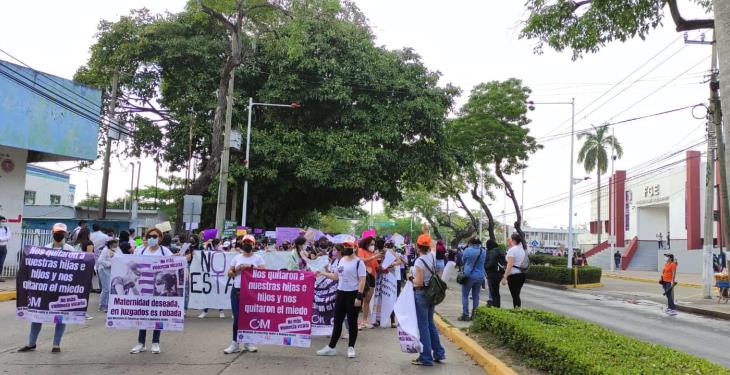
x=241, y=259
x=430, y=260
x=145, y=250
x=65, y=247
x=99, y=239
x=518, y=253
x=349, y=274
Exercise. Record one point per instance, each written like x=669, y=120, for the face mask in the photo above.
x=285, y=247
x=152, y=241
x=371, y=248
x=348, y=251
x=58, y=236
x=247, y=247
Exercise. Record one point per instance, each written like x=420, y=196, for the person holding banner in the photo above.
x=242, y=261
x=350, y=275
x=424, y=268
x=59, y=232
x=104, y=269
x=152, y=249
x=366, y=253
x=299, y=256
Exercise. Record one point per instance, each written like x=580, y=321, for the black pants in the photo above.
x=3, y=254
x=345, y=306
x=515, y=282
x=493, y=282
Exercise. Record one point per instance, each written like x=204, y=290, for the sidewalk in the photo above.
x=684, y=279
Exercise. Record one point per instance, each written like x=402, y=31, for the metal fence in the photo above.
x=34, y=237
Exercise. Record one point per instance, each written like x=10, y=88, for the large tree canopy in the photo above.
x=371, y=120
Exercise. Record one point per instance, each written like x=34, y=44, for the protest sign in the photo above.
x=53, y=285
x=388, y=260
x=383, y=299
x=210, y=286
x=369, y=233
x=286, y=234
x=229, y=228
x=342, y=238
x=323, y=315
x=405, y=313
x=147, y=292
x=276, y=307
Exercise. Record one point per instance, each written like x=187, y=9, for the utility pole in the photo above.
x=709, y=211
x=220, y=213
x=613, y=201
x=108, y=149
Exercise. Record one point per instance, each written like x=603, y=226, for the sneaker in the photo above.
x=351, y=352
x=89, y=317
x=27, y=348
x=139, y=348
x=233, y=348
x=367, y=326
x=417, y=362
x=56, y=349
x=221, y=315
x=202, y=315
x=251, y=348
x=327, y=351
x=155, y=348
x=672, y=312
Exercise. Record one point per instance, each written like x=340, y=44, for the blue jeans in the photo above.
x=35, y=329
x=104, y=274
x=440, y=265
x=666, y=285
x=473, y=286
x=142, y=337
x=432, y=349
x=3, y=254
x=235, y=296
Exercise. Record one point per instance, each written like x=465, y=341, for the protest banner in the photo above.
x=53, y=285
x=276, y=307
x=323, y=315
x=405, y=313
x=210, y=286
x=286, y=234
x=147, y=292
x=384, y=299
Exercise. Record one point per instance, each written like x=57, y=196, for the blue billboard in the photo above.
x=55, y=117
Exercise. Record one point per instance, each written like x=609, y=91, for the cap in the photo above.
x=424, y=240
x=59, y=227
x=348, y=244
x=227, y=244
x=249, y=238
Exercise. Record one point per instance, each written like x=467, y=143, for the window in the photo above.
x=55, y=200
x=29, y=197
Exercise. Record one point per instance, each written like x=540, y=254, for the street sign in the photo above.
x=534, y=243
x=385, y=224
x=229, y=228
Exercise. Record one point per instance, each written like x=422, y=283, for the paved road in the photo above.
x=644, y=319
x=93, y=349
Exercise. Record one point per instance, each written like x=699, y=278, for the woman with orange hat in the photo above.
x=247, y=259
x=424, y=268
x=59, y=242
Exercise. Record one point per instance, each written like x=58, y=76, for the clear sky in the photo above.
x=468, y=42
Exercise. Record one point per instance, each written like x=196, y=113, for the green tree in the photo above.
x=594, y=156
x=491, y=132
x=366, y=111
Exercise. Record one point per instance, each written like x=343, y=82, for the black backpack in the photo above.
x=436, y=289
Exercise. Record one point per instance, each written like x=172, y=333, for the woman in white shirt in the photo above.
x=242, y=261
x=514, y=275
x=104, y=269
x=151, y=249
x=350, y=274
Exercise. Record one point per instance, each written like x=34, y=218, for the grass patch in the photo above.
x=560, y=345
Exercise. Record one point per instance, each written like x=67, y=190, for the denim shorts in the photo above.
x=440, y=264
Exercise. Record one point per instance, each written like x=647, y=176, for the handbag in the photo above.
x=461, y=278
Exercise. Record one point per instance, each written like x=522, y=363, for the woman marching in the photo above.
x=152, y=249
x=59, y=236
x=350, y=276
x=246, y=260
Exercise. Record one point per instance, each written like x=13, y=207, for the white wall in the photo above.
x=44, y=186
x=652, y=220
x=12, y=185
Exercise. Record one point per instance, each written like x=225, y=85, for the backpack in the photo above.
x=525, y=265
x=436, y=289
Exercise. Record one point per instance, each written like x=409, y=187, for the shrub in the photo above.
x=563, y=275
x=543, y=259
x=561, y=345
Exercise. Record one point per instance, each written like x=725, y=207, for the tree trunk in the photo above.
x=515, y=204
x=434, y=226
x=598, y=194
x=490, y=217
x=722, y=37
x=461, y=204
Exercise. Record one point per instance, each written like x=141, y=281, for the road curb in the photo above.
x=491, y=364
x=709, y=313
x=645, y=280
x=590, y=286
x=7, y=296
x=547, y=285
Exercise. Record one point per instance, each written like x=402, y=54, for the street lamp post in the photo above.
x=251, y=104
x=531, y=106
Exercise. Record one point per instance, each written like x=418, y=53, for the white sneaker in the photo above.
x=89, y=317
x=251, y=348
x=351, y=352
x=233, y=348
x=139, y=348
x=327, y=351
x=202, y=315
x=221, y=315
x=672, y=312
x=155, y=348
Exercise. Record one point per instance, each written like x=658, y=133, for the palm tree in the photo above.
x=593, y=155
